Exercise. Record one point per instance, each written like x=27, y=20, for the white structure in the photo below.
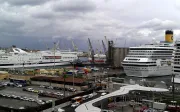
x=88, y=107
x=17, y=58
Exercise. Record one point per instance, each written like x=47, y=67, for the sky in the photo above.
x=37, y=24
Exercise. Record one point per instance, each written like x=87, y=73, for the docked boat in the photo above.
x=18, y=58
x=98, y=58
x=151, y=59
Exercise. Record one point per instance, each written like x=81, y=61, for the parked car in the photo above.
x=41, y=91
x=11, y=84
x=8, y=95
x=42, y=86
x=50, y=87
x=102, y=94
x=30, y=89
x=31, y=99
x=18, y=97
x=106, y=110
x=48, y=101
x=3, y=95
x=72, y=89
x=58, y=110
x=90, y=95
x=21, y=97
x=14, y=96
x=85, y=97
x=36, y=91
x=25, y=98
x=59, y=94
x=75, y=104
x=18, y=85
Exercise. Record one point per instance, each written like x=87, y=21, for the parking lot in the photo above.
x=14, y=103
x=67, y=93
x=20, y=97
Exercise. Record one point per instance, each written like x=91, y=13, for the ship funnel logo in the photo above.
x=169, y=36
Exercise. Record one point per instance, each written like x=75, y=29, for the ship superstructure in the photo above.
x=151, y=59
x=17, y=58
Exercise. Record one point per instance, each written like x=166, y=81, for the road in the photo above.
x=71, y=109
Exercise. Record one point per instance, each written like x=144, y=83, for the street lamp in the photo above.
x=173, y=75
x=108, y=78
x=54, y=56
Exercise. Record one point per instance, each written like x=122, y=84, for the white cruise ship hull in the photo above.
x=34, y=65
x=149, y=71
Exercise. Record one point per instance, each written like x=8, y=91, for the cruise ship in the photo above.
x=151, y=59
x=18, y=58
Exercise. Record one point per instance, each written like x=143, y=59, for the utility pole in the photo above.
x=54, y=55
x=64, y=85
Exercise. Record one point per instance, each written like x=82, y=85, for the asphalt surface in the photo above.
x=14, y=103
x=19, y=92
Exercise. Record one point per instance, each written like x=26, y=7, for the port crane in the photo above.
x=91, y=51
x=106, y=40
x=104, y=47
x=74, y=46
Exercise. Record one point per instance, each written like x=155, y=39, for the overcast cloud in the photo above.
x=34, y=23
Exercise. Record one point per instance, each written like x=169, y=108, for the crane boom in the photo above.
x=104, y=47
x=74, y=46
x=91, y=50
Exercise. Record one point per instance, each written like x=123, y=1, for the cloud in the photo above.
x=157, y=24
x=74, y=6
x=132, y=22
x=24, y=2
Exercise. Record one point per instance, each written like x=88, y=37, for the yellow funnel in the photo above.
x=169, y=36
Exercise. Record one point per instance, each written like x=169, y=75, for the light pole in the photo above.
x=108, y=78
x=173, y=75
x=23, y=68
x=73, y=74
x=54, y=56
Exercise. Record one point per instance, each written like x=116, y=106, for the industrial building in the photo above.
x=118, y=56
